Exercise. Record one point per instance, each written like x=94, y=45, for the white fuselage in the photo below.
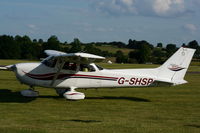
x=38, y=74
x=66, y=72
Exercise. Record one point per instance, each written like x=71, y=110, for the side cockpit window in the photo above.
x=70, y=66
x=78, y=67
x=87, y=68
x=51, y=62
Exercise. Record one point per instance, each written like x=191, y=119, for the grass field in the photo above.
x=120, y=110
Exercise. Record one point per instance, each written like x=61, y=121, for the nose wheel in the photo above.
x=30, y=92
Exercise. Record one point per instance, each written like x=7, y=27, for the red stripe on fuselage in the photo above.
x=50, y=76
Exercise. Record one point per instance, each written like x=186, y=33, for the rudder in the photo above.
x=175, y=68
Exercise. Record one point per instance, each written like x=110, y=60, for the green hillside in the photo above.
x=114, y=49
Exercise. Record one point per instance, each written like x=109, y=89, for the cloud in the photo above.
x=194, y=5
x=116, y=7
x=161, y=8
x=101, y=29
x=196, y=2
x=168, y=7
x=32, y=26
x=190, y=27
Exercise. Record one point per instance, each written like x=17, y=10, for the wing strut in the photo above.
x=60, y=66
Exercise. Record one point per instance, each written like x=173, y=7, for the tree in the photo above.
x=27, y=47
x=132, y=44
x=142, y=55
x=158, y=55
x=170, y=48
x=133, y=56
x=138, y=44
x=40, y=41
x=157, y=52
x=35, y=40
x=52, y=43
x=89, y=48
x=76, y=46
x=193, y=44
x=117, y=44
x=65, y=43
x=120, y=57
x=183, y=45
x=160, y=45
x=9, y=49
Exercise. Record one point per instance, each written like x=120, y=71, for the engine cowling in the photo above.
x=74, y=95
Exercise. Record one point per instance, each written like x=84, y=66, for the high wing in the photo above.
x=74, y=57
x=71, y=57
x=54, y=53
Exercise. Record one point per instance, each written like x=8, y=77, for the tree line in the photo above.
x=22, y=47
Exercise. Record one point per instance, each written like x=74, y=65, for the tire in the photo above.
x=60, y=92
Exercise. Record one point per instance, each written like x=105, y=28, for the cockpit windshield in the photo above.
x=50, y=62
x=99, y=67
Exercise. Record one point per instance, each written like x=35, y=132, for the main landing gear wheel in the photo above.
x=71, y=94
x=29, y=92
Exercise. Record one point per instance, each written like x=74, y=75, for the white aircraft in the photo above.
x=67, y=72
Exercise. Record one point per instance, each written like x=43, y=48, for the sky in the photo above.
x=166, y=21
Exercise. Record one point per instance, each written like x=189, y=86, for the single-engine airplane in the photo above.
x=68, y=71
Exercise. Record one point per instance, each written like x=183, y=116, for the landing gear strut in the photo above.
x=60, y=92
x=30, y=92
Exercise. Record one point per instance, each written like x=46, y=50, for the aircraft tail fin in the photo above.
x=174, y=69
